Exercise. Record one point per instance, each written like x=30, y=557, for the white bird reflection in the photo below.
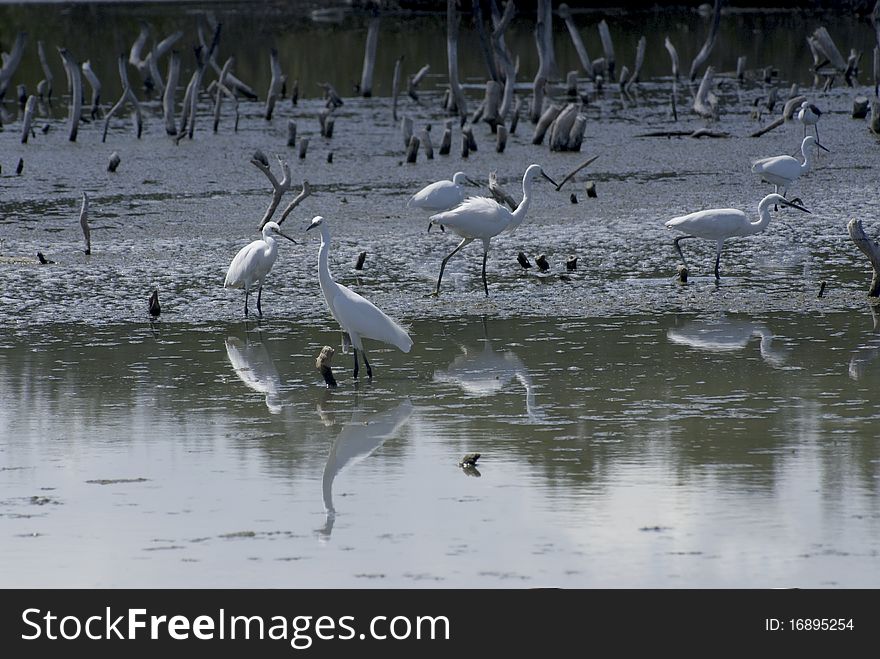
x=724, y=334
x=364, y=433
x=868, y=351
x=255, y=367
x=485, y=372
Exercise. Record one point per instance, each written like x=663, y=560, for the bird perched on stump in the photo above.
x=154, y=307
x=469, y=460
x=322, y=363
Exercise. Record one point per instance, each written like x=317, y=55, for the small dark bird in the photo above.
x=469, y=460
x=542, y=263
x=523, y=260
x=572, y=263
x=43, y=259
x=360, y=261
x=155, y=309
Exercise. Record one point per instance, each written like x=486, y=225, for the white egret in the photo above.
x=253, y=262
x=359, y=317
x=483, y=218
x=442, y=195
x=254, y=366
x=724, y=334
x=808, y=115
x=719, y=224
x=782, y=171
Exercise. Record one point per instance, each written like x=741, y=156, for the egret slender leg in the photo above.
x=718, y=258
x=464, y=241
x=356, y=367
x=245, y=302
x=485, y=285
x=367, y=364
x=678, y=247
x=259, y=295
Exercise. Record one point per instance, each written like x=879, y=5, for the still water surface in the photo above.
x=633, y=431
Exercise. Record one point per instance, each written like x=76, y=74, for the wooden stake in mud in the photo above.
x=504, y=57
x=359, y=265
x=168, y=96
x=74, y=88
x=223, y=90
x=127, y=95
x=44, y=87
x=465, y=148
x=586, y=62
x=456, y=103
x=523, y=261
x=322, y=363
x=29, y=107
x=446, y=140
x=95, y=84
x=741, y=69
x=395, y=87
x=706, y=50
x=191, y=97
x=276, y=84
x=608, y=47
x=860, y=107
x=84, y=223
x=870, y=249
x=11, y=61
x=468, y=132
x=544, y=123
x=426, y=143
x=501, y=141
x=113, y=162
x=370, y=56
x=413, y=83
x=492, y=104
x=412, y=150
x=291, y=132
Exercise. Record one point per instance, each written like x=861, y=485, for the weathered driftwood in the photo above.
x=545, y=63
x=523, y=260
x=456, y=102
x=168, y=96
x=221, y=90
x=28, y=118
x=370, y=56
x=741, y=68
x=501, y=138
x=304, y=192
x=706, y=50
x=332, y=97
x=276, y=84
x=322, y=363
x=446, y=142
x=561, y=128
x=11, y=62
x=705, y=102
x=95, y=84
x=413, y=82
x=291, y=132
x=191, y=97
x=406, y=130
x=84, y=223
x=545, y=15
x=673, y=56
x=571, y=84
x=505, y=58
x=546, y=119
x=303, y=148
x=136, y=59
x=465, y=148
x=591, y=189
x=541, y=262
x=412, y=150
x=492, y=103
x=485, y=48
x=608, y=48
x=127, y=96
x=514, y=119
x=637, y=67
x=571, y=263
x=260, y=161
x=428, y=147
x=113, y=162
x=700, y=132
x=826, y=46
x=788, y=111
x=498, y=193
x=478, y=112
x=359, y=264
x=573, y=172
x=870, y=249
x=860, y=107
x=211, y=60
x=44, y=87
x=874, y=124
x=583, y=55
x=395, y=87
x=74, y=88
x=468, y=133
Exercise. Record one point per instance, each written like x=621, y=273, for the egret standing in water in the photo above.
x=442, y=195
x=782, y=171
x=719, y=224
x=253, y=262
x=484, y=218
x=359, y=317
x=808, y=115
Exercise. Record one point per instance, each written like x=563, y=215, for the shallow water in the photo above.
x=633, y=431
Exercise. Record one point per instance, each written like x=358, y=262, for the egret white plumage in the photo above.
x=253, y=262
x=358, y=317
x=484, y=218
x=442, y=195
x=719, y=224
x=781, y=171
x=808, y=115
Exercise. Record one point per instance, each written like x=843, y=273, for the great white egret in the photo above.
x=253, y=262
x=359, y=318
x=781, y=171
x=719, y=224
x=484, y=218
x=442, y=195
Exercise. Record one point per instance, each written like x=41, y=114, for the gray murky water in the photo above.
x=633, y=431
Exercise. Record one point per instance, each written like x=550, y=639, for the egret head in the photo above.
x=460, y=178
x=535, y=171
x=316, y=222
x=272, y=228
x=811, y=140
x=779, y=199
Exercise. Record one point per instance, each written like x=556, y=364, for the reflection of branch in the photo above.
x=870, y=249
x=868, y=353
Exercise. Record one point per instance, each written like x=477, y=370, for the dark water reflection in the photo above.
x=615, y=451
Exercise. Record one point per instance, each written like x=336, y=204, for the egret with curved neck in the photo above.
x=357, y=316
x=719, y=224
x=782, y=171
x=441, y=195
x=253, y=262
x=484, y=218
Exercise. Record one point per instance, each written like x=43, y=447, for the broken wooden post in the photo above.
x=492, y=104
x=501, y=140
x=127, y=95
x=561, y=127
x=874, y=124
x=514, y=120
x=681, y=274
x=523, y=260
x=395, y=87
x=84, y=223
x=370, y=56
x=20, y=167
x=544, y=122
x=95, y=84
x=741, y=69
x=291, y=132
x=573, y=198
x=607, y=47
x=637, y=67
x=446, y=140
x=223, y=90
x=456, y=102
x=413, y=82
x=542, y=264
x=591, y=189
x=359, y=265
x=74, y=88
x=153, y=306
x=29, y=107
x=571, y=263
x=191, y=97
x=860, y=107
x=586, y=62
x=571, y=84
x=276, y=83
x=504, y=56
x=465, y=148
x=113, y=162
x=705, y=102
x=322, y=363
x=468, y=132
x=11, y=61
x=171, y=89
x=498, y=193
x=44, y=87
x=406, y=130
x=412, y=150
x=426, y=143
x=542, y=41
x=870, y=249
x=706, y=50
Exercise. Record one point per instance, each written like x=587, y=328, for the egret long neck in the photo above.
x=324, y=276
x=807, y=153
x=763, y=217
x=520, y=213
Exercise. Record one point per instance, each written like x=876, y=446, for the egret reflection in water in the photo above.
x=483, y=371
x=255, y=367
x=725, y=334
x=359, y=438
x=868, y=351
